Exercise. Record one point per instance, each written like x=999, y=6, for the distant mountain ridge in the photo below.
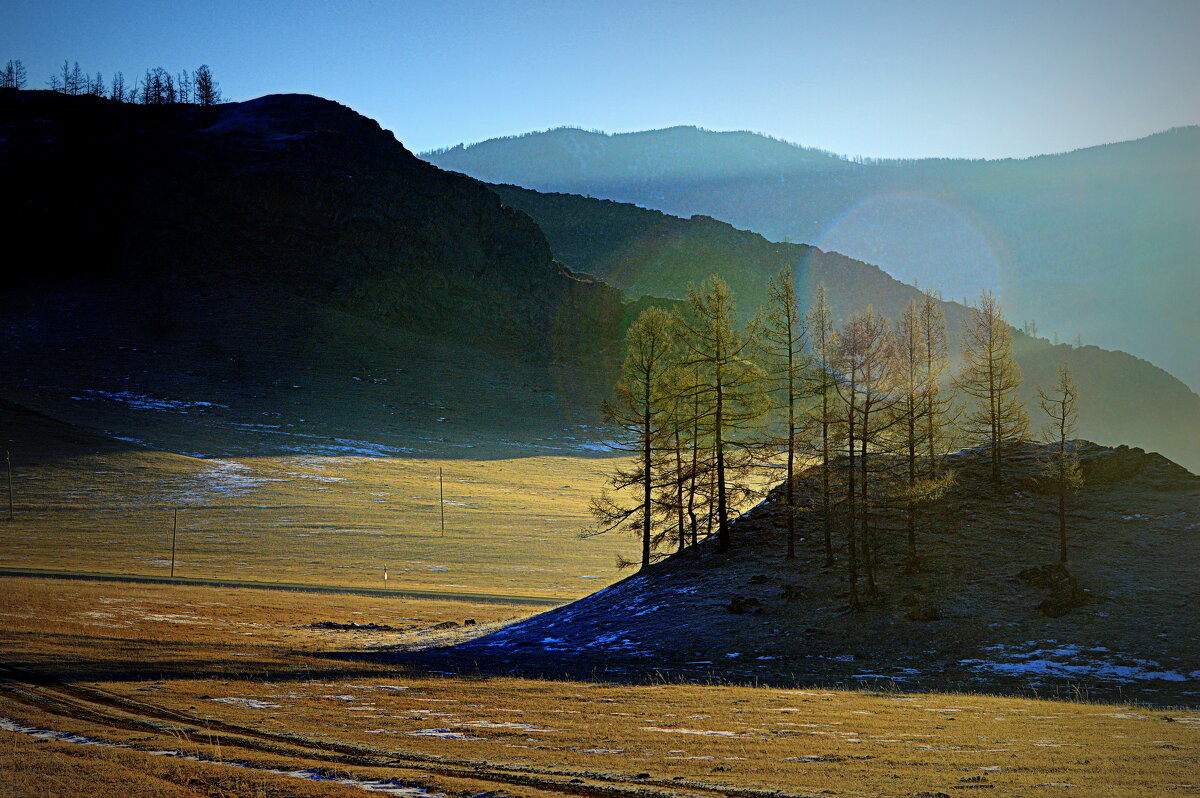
x=1099, y=242
x=571, y=155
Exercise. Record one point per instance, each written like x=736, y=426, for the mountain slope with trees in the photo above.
x=1128, y=400
x=984, y=612
x=1087, y=244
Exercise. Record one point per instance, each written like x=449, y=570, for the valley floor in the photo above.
x=511, y=525
x=275, y=680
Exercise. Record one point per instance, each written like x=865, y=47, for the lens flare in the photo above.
x=930, y=241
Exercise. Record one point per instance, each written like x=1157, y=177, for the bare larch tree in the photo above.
x=992, y=378
x=1062, y=466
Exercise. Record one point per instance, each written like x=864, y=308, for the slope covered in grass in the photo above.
x=982, y=613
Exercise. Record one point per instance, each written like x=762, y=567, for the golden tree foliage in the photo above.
x=730, y=392
x=991, y=377
x=641, y=409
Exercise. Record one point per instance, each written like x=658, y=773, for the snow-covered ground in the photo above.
x=220, y=477
x=143, y=402
x=1049, y=658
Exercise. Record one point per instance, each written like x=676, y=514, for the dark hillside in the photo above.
x=286, y=192
x=33, y=434
x=189, y=275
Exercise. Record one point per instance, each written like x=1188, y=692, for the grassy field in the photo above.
x=511, y=525
x=319, y=453
x=244, y=676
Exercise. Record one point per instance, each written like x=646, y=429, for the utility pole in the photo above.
x=8, y=462
x=442, y=500
x=174, y=532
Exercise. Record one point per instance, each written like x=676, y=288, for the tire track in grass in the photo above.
x=105, y=709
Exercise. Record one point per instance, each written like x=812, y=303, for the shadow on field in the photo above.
x=99, y=658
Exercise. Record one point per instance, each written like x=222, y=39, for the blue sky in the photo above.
x=911, y=79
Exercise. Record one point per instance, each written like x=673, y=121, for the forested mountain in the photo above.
x=1127, y=400
x=1098, y=243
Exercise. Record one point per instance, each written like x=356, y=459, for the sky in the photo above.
x=951, y=78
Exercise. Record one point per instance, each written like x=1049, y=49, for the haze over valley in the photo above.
x=1086, y=245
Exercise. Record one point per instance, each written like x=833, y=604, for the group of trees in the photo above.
x=156, y=87
x=13, y=75
x=708, y=406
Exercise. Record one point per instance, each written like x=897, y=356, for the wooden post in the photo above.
x=442, y=500
x=174, y=532
x=8, y=462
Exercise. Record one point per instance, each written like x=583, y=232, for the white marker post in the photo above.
x=442, y=500
x=174, y=533
x=385, y=577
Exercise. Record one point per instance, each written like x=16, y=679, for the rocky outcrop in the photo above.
x=1102, y=465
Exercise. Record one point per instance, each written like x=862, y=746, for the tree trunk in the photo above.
x=719, y=453
x=851, y=520
x=791, y=487
x=994, y=411
x=693, y=474
x=868, y=553
x=911, y=521
x=826, y=521
x=679, y=489
x=646, y=481
x=1062, y=486
x=1062, y=523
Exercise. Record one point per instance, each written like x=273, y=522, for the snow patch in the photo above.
x=702, y=732
x=250, y=703
x=143, y=402
x=1074, y=661
x=444, y=734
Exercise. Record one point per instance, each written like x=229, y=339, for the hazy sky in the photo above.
x=952, y=77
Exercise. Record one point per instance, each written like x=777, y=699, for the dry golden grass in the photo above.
x=511, y=525
x=243, y=661
x=33, y=767
x=90, y=629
